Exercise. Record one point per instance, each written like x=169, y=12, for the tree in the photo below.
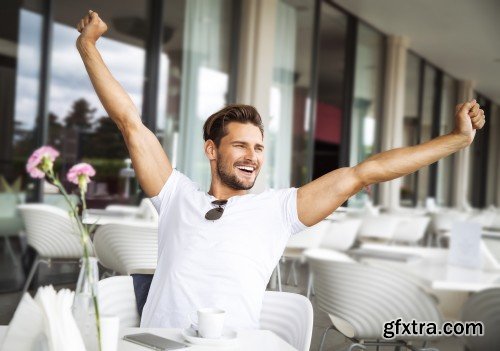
x=81, y=115
x=106, y=141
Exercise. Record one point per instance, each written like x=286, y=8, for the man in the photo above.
x=220, y=248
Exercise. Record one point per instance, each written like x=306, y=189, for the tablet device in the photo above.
x=154, y=342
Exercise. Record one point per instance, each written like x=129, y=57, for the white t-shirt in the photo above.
x=225, y=263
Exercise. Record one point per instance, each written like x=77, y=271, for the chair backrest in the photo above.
x=127, y=248
x=443, y=220
x=360, y=298
x=288, y=315
x=411, y=229
x=310, y=237
x=341, y=235
x=147, y=210
x=117, y=298
x=51, y=231
x=380, y=227
x=483, y=306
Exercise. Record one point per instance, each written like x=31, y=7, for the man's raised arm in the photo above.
x=319, y=198
x=148, y=158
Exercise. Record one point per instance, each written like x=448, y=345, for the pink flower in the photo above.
x=80, y=174
x=41, y=161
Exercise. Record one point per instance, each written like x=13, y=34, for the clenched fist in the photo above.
x=468, y=118
x=91, y=27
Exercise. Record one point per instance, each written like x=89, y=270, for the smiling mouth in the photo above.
x=246, y=170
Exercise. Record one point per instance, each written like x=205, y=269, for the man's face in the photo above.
x=240, y=155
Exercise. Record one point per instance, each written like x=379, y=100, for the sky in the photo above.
x=68, y=78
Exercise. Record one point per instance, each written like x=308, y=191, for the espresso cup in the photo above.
x=210, y=322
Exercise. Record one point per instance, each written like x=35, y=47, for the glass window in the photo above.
x=365, y=120
x=290, y=101
x=493, y=187
x=478, y=166
x=78, y=125
x=20, y=55
x=194, y=79
x=447, y=122
x=429, y=94
x=330, y=91
x=411, y=124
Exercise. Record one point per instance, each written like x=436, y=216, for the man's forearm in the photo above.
x=115, y=100
x=396, y=163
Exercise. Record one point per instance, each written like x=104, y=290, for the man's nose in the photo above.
x=251, y=155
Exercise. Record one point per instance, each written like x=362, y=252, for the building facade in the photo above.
x=331, y=88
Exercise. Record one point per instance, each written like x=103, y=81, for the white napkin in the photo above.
x=25, y=328
x=44, y=323
x=59, y=325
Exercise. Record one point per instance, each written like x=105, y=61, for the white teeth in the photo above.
x=251, y=169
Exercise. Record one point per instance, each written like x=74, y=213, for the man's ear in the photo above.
x=210, y=150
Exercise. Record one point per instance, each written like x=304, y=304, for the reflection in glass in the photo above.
x=78, y=125
x=329, y=105
x=411, y=124
x=426, y=127
x=289, y=125
x=194, y=79
x=367, y=99
x=20, y=56
x=445, y=179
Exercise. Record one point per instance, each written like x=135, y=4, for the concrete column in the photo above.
x=462, y=164
x=256, y=59
x=394, y=96
x=493, y=188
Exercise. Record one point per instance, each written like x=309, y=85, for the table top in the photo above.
x=251, y=340
x=262, y=340
x=102, y=217
x=430, y=266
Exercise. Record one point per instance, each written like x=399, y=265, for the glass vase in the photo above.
x=85, y=303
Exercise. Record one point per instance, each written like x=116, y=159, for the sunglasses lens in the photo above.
x=214, y=214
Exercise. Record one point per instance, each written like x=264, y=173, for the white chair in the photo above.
x=341, y=235
x=53, y=235
x=116, y=297
x=411, y=229
x=309, y=238
x=290, y=316
x=442, y=222
x=127, y=248
x=381, y=228
x=360, y=299
x=483, y=306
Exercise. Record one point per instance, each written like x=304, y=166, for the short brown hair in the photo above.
x=215, y=126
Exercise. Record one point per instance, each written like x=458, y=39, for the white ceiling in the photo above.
x=462, y=37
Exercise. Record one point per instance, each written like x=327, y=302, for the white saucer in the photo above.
x=228, y=338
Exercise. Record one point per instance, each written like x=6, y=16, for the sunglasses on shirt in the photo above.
x=216, y=213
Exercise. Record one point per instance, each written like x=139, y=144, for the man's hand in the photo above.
x=468, y=118
x=91, y=27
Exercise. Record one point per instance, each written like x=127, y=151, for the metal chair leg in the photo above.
x=309, y=285
x=292, y=272
x=324, y=337
x=278, y=276
x=34, y=267
x=10, y=252
x=360, y=346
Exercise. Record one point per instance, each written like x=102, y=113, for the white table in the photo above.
x=261, y=340
x=430, y=266
x=252, y=340
x=101, y=217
